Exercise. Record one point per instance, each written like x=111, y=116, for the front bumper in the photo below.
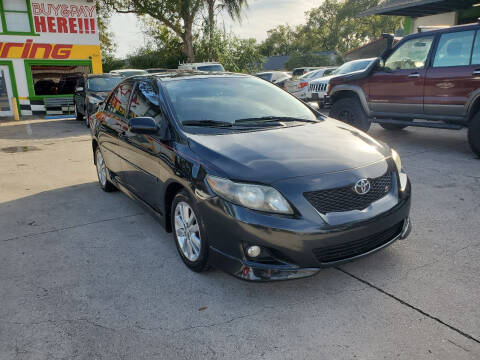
x=292, y=247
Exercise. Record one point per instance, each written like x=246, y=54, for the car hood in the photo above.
x=324, y=79
x=267, y=156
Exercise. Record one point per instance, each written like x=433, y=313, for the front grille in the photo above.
x=346, y=199
x=318, y=87
x=355, y=248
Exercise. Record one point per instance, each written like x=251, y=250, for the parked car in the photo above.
x=283, y=192
x=157, y=70
x=128, y=72
x=278, y=78
x=431, y=75
x=205, y=66
x=299, y=87
x=90, y=91
x=297, y=72
x=317, y=89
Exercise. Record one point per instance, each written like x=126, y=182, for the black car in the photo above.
x=248, y=178
x=90, y=91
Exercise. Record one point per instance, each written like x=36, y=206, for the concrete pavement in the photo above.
x=89, y=275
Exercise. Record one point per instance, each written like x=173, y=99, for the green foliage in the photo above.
x=331, y=26
x=300, y=60
x=111, y=63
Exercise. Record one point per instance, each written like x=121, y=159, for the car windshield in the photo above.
x=265, y=76
x=298, y=72
x=132, y=73
x=311, y=74
x=351, y=67
x=216, y=67
x=103, y=84
x=226, y=100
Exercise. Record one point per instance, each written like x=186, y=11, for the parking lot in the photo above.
x=90, y=275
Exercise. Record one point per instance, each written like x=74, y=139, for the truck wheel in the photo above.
x=474, y=134
x=393, y=127
x=350, y=111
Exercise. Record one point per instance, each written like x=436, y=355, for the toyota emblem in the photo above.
x=362, y=186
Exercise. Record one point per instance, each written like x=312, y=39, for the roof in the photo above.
x=275, y=62
x=182, y=75
x=417, y=8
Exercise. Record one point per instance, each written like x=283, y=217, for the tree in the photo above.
x=107, y=44
x=233, y=8
x=177, y=15
x=334, y=25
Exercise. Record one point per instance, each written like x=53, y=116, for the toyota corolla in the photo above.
x=248, y=178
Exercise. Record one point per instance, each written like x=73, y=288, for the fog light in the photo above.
x=254, y=251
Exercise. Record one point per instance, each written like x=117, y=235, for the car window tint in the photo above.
x=230, y=99
x=118, y=102
x=145, y=102
x=454, y=49
x=410, y=55
x=476, y=50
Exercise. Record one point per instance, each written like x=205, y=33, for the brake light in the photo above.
x=302, y=85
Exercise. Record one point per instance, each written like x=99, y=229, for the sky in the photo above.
x=261, y=15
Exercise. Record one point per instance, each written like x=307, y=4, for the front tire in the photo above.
x=350, y=111
x=474, y=134
x=393, y=127
x=102, y=172
x=189, y=233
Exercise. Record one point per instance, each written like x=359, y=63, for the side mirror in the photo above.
x=142, y=125
x=79, y=89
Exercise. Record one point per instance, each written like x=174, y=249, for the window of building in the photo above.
x=454, y=49
x=15, y=16
x=57, y=79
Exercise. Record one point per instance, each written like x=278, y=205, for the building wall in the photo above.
x=446, y=19
x=63, y=33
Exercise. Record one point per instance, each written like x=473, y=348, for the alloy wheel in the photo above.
x=187, y=231
x=101, y=169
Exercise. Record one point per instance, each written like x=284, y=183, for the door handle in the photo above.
x=414, y=75
x=476, y=72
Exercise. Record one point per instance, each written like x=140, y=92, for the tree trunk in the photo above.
x=211, y=26
x=188, y=41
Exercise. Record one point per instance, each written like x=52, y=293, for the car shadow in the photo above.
x=42, y=129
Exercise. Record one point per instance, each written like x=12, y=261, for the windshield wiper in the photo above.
x=268, y=119
x=208, y=123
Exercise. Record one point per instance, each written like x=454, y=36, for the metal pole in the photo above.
x=16, y=115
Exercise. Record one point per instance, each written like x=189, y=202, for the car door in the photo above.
x=79, y=95
x=397, y=87
x=454, y=74
x=113, y=127
x=146, y=154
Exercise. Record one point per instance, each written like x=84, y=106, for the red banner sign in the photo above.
x=61, y=18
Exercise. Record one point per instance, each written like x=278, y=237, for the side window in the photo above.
x=476, y=50
x=454, y=49
x=145, y=102
x=410, y=55
x=118, y=101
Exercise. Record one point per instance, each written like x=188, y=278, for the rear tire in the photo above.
x=350, y=111
x=189, y=233
x=474, y=134
x=102, y=172
x=393, y=127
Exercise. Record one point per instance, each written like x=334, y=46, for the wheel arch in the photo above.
x=343, y=91
x=171, y=190
x=474, y=107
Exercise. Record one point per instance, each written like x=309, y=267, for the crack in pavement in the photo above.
x=71, y=227
x=403, y=302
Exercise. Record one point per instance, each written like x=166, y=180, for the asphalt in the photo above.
x=90, y=275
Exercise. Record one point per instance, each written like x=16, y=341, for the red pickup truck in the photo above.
x=429, y=79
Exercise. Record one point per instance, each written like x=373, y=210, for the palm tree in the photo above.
x=233, y=8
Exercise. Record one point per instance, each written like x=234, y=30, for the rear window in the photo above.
x=298, y=72
x=216, y=67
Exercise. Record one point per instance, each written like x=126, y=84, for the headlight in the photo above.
x=401, y=172
x=328, y=88
x=256, y=197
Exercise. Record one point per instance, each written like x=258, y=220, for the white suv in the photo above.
x=205, y=66
x=317, y=88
